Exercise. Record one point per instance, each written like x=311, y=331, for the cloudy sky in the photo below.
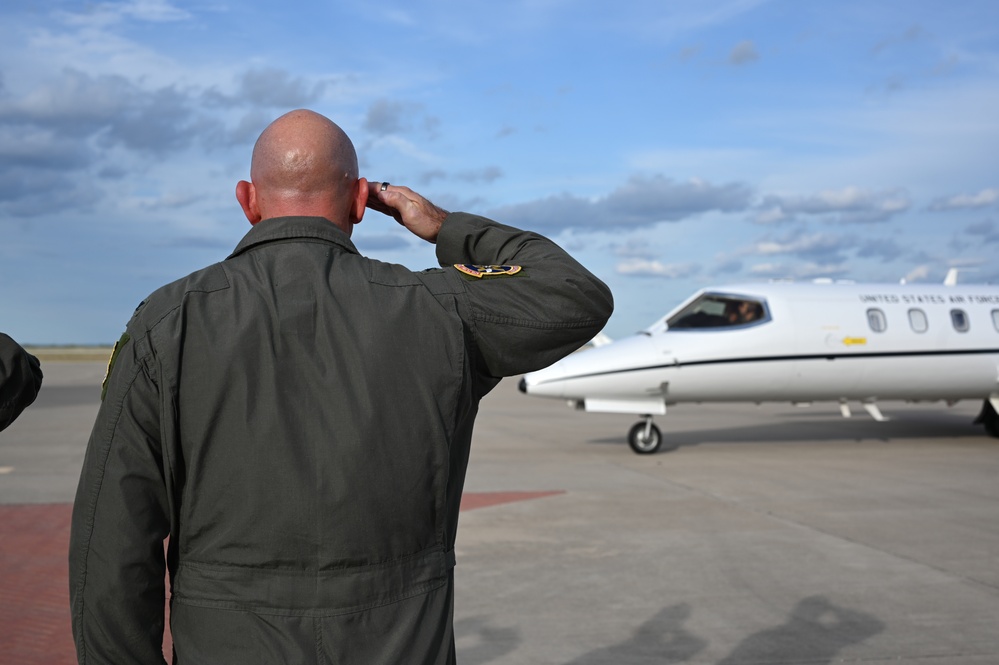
x=669, y=145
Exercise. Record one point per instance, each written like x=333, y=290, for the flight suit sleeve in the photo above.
x=527, y=316
x=20, y=380
x=120, y=519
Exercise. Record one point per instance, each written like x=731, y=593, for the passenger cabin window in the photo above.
x=917, y=319
x=995, y=319
x=714, y=310
x=960, y=320
x=876, y=320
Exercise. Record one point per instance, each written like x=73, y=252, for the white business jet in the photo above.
x=797, y=342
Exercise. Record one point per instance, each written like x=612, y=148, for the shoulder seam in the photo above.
x=145, y=329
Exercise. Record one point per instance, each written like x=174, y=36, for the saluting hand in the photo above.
x=416, y=213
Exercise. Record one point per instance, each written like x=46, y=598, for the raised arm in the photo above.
x=533, y=305
x=537, y=306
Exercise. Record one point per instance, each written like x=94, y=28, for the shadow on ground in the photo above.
x=815, y=632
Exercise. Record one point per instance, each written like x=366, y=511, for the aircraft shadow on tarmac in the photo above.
x=795, y=428
x=816, y=631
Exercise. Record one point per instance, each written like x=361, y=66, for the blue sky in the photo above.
x=668, y=145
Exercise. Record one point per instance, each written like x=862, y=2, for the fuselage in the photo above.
x=799, y=342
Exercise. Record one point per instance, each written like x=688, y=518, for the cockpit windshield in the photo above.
x=717, y=310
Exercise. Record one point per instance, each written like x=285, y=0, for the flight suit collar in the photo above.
x=293, y=228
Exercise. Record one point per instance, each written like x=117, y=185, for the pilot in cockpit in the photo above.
x=733, y=312
x=738, y=312
x=749, y=311
x=718, y=311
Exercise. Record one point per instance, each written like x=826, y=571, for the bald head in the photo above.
x=303, y=164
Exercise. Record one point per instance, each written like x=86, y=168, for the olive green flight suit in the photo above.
x=297, y=420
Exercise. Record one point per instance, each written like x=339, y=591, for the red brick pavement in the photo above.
x=34, y=593
x=34, y=589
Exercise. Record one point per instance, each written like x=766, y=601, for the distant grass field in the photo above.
x=70, y=353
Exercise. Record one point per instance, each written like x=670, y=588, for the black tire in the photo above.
x=990, y=419
x=642, y=445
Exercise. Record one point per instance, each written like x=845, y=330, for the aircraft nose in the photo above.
x=547, y=382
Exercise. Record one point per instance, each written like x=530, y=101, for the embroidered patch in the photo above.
x=486, y=271
x=122, y=341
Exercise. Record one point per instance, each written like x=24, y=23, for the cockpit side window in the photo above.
x=714, y=310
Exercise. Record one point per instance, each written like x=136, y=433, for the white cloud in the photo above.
x=641, y=201
x=270, y=87
x=404, y=147
x=104, y=14
x=767, y=269
x=806, y=244
x=967, y=263
x=773, y=214
x=95, y=41
x=154, y=11
x=486, y=174
x=846, y=205
x=637, y=267
x=982, y=199
x=635, y=248
x=171, y=200
x=73, y=103
x=807, y=270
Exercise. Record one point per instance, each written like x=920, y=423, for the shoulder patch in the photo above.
x=122, y=341
x=486, y=271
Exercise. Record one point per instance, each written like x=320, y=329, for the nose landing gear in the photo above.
x=644, y=437
x=989, y=418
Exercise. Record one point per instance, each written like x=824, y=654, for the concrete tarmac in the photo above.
x=769, y=535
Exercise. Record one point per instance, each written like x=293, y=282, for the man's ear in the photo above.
x=358, y=201
x=246, y=194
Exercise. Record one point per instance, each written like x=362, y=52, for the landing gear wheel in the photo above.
x=990, y=419
x=645, y=438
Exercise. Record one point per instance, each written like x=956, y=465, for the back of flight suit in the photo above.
x=297, y=419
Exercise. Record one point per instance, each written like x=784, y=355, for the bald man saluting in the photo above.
x=297, y=420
